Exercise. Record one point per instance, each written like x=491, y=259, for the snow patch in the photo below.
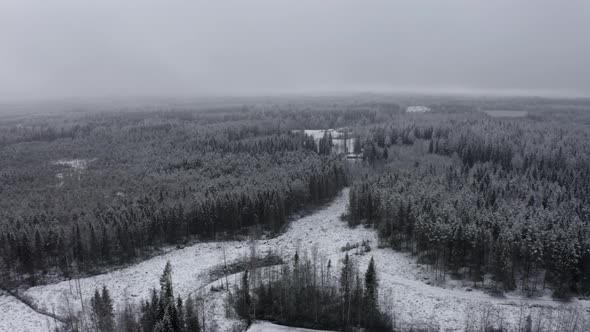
x=15, y=316
x=77, y=164
x=270, y=327
x=418, y=109
x=337, y=138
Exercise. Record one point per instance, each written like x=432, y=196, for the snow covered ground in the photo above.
x=77, y=164
x=337, y=139
x=402, y=286
x=270, y=327
x=16, y=316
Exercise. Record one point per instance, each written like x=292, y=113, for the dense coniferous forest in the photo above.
x=85, y=191
x=476, y=196
x=488, y=200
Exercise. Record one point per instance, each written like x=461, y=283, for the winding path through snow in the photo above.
x=17, y=316
x=401, y=289
x=270, y=327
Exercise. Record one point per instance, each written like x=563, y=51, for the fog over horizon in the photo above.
x=94, y=49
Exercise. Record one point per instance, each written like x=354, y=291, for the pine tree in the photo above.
x=181, y=314
x=105, y=251
x=94, y=247
x=79, y=249
x=127, y=321
x=245, y=296
x=165, y=324
x=26, y=255
x=150, y=312
x=39, y=252
x=166, y=291
x=345, y=289
x=96, y=304
x=191, y=316
x=370, y=295
x=102, y=309
x=108, y=316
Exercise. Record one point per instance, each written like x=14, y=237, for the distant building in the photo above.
x=418, y=109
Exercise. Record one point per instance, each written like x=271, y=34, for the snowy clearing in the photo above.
x=418, y=109
x=270, y=327
x=337, y=138
x=16, y=316
x=402, y=286
x=77, y=164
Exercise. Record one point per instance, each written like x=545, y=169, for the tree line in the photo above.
x=313, y=295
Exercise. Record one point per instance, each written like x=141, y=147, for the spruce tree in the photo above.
x=181, y=314
x=370, y=295
x=246, y=300
x=191, y=316
x=166, y=291
x=345, y=291
x=127, y=321
x=102, y=309
x=107, y=311
x=96, y=305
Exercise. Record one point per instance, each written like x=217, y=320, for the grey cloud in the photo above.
x=72, y=48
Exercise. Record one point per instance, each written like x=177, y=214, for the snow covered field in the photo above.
x=269, y=327
x=402, y=286
x=77, y=164
x=16, y=316
x=337, y=139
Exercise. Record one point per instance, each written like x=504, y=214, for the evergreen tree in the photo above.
x=180, y=312
x=166, y=291
x=370, y=295
x=127, y=320
x=346, y=279
x=246, y=301
x=191, y=316
x=108, y=314
x=102, y=309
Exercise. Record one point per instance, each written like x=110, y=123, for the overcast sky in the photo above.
x=102, y=48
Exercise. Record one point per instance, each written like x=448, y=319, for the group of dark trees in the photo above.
x=103, y=316
x=312, y=296
x=163, y=312
x=475, y=195
x=304, y=293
